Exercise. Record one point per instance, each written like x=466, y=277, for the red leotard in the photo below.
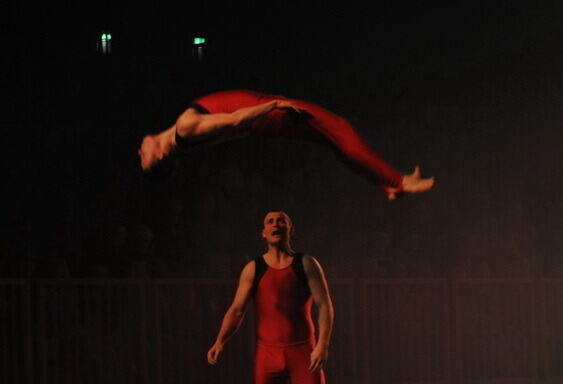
x=322, y=125
x=284, y=328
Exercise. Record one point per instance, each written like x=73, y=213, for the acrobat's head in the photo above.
x=277, y=228
x=148, y=152
x=157, y=160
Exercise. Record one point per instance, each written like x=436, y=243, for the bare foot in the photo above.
x=412, y=183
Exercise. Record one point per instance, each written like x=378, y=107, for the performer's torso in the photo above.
x=283, y=308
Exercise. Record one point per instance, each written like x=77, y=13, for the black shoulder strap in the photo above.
x=299, y=270
x=260, y=267
x=198, y=107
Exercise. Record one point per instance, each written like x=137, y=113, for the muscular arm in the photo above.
x=321, y=297
x=235, y=314
x=193, y=123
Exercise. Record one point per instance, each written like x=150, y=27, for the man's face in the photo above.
x=277, y=228
x=148, y=152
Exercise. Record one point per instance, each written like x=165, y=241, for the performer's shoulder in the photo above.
x=307, y=257
x=310, y=262
x=249, y=267
x=255, y=264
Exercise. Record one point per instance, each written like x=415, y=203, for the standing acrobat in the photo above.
x=283, y=284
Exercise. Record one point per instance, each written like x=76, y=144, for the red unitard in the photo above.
x=284, y=327
x=319, y=125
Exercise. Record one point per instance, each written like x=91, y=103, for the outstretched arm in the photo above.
x=235, y=314
x=193, y=123
x=321, y=297
x=206, y=128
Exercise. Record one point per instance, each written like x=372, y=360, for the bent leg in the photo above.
x=352, y=146
x=323, y=125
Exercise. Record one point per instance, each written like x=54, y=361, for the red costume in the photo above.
x=284, y=327
x=320, y=125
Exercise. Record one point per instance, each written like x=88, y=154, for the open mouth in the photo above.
x=277, y=232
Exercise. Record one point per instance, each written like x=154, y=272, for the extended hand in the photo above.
x=413, y=183
x=213, y=354
x=318, y=358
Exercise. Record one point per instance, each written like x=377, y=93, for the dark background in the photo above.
x=469, y=90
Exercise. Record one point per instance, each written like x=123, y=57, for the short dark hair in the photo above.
x=163, y=170
x=290, y=220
